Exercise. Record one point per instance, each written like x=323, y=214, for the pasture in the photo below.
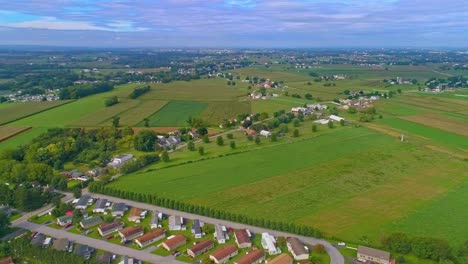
x=15, y=111
x=176, y=113
x=313, y=181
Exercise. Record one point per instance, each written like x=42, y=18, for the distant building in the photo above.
x=118, y=209
x=135, y=214
x=155, y=223
x=83, y=202
x=118, y=161
x=84, y=251
x=61, y=244
x=335, y=118
x=366, y=254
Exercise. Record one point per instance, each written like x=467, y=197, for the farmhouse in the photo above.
x=281, y=259
x=83, y=202
x=200, y=248
x=61, y=244
x=269, y=244
x=176, y=222
x=151, y=237
x=174, y=242
x=224, y=254
x=109, y=228
x=265, y=133
x=119, y=161
x=119, y=209
x=130, y=233
x=317, y=107
x=253, y=257
x=242, y=237
x=196, y=229
x=297, y=249
x=155, y=220
x=90, y=222
x=335, y=118
x=64, y=220
x=100, y=206
x=135, y=214
x=221, y=234
x=366, y=254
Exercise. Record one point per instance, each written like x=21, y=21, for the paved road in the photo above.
x=335, y=255
x=95, y=243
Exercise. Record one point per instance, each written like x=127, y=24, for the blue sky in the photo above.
x=235, y=23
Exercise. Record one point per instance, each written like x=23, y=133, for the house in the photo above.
x=101, y=206
x=200, y=248
x=224, y=254
x=84, y=251
x=317, y=107
x=7, y=260
x=176, y=222
x=269, y=244
x=242, y=237
x=174, y=242
x=61, y=244
x=281, y=259
x=265, y=133
x=64, y=220
x=253, y=257
x=250, y=132
x=90, y=222
x=5, y=209
x=196, y=229
x=135, y=214
x=109, y=228
x=167, y=143
x=155, y=223
x=83, y=202
x=335, y=118
x=300, y=110
x=118, y=209
x=151, y=237
x=74, y=174
x=47, y=242
x=221, y=234
x=366, y=254
x=104, y=258
x=297, y=249
x=118, y=161
x=38, y=240
x=130, y=233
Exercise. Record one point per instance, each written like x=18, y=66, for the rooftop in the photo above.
x=376, y=253
x=132, y=230
x=251, y=257
x=201, y=246
x=242, y=236
x=151, y=235
x=174, y=241
x=281, y=259
x=224, y=252
x=296, y=246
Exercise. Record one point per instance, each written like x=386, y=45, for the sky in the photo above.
x=235, y=23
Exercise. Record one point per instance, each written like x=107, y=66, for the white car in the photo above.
x=341, y=244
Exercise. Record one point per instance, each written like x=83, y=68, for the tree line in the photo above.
x=83, y=90
x=137, y=92
x=99, y=187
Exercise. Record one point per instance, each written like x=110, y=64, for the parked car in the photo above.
x=69, y=225
x=176, y=253
x=110, y=237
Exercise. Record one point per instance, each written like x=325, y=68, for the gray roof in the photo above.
x=84, y=251
x=83, y=201
x=101, y=204
x=38, y=239
x=65, y=218
x=92, y=221
x=60, y=244
x=296, y=246
x=119, y=207
x=154, y=218
x=219, y=232
x=372, y=252
x=196, y=227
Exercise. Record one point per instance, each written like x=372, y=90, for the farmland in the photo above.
x=176, y=113
x=9, y=132
x=15, y=111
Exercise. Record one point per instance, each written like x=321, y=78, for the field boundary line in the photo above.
x=15, y=134
x=55, y=106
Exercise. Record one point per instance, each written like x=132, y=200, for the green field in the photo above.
x=14, y=111
x=176, y=113
x=21, y=139
x=313, y=181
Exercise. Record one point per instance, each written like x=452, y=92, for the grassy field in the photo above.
x=216, y=112
x=10, y=132
x=337, y=182
x=15, y=111
x=22, y=138
x=176, y=113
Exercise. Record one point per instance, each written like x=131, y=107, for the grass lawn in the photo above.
x=176, y=113
x=43, y=219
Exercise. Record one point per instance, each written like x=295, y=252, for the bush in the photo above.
x=220, y=141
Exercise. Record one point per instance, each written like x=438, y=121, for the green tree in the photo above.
x=230, y=136
x=274, y=137
x=296, y=133
x=146, y=121
x=201, y=150
x=77, y=192
x=220, y=141
x=308, y=96
x=165, y=156
x=296, y=122
x=330, y=124
x=257, y=140
x=191, y=146
x=145, y=141
x=4, y=223
x=233, y=144
x=314, y=128
x=115, y=121
x=342, y=122
x=77, y=216
x=206, y=139
x=399, y=90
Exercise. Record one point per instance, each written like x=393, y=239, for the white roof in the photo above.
x=336, y=118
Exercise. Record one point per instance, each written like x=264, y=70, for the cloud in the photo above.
x=54, y=24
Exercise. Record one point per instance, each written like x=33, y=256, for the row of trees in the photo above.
x=111, y=101
x=24, y=197
x=82, y=90
x=424, y=247
x=139, y=163
x=137, y=92
x=99, y=187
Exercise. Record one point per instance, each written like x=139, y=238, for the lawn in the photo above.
x=324, y=182
x=176, y=113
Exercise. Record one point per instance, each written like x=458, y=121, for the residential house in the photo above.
x=5, y=209
x=300, y=110
x=221, y=234
x=317, y=107
x=250, y=132
x=196, y=229
x=176, y=222
x=242, y=237
x=253, y=257
x=118, y=161
x=281, y=259
x=61, y=244
x=367, y=254
x=7, y=260
x=269, y=244
x=96, y=172
x=200, y=248
x=151, y=237
x=297, y=249
x=84, y=251
x=135, y=214
x=155, y=223
x=174, y=242
x=335, y=118
x=38, y=240
x=101, y=206
x=74, y=174
x=90, y=222
x=130, y=233
x=104, y=258
x=109, y=228
x=167, y=143
x=65, y=220
x=265, y=133
x=118, y=209
x=224, y=254
x=83, y=202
